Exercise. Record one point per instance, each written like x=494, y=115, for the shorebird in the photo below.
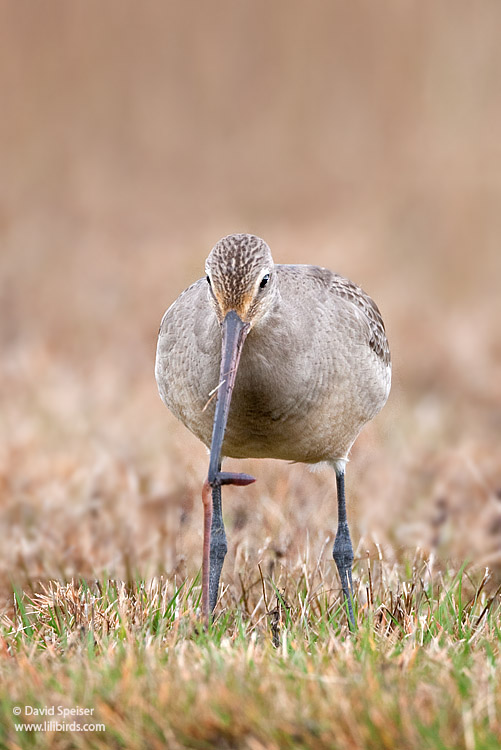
x=299, y=352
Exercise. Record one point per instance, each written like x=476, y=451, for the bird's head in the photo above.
x=241, y=277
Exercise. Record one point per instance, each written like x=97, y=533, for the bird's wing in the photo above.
x=367, y=311
x=178, y=350
x=179, y=307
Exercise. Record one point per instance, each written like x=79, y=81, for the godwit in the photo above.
x=314, y=369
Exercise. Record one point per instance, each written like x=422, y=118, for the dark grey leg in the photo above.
x=218, y=546
x=343, y=550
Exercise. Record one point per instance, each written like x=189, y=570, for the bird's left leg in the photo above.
x=343, y=549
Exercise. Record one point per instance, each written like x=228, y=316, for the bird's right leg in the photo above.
x=215, y=544
x=218, y=546
x=215, y=547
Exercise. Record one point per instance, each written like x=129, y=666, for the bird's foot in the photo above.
x=343, y=556
x=227, y=477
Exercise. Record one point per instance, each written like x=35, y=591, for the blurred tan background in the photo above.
x=364, y=137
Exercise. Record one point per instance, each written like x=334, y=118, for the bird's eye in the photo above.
x=264, y=281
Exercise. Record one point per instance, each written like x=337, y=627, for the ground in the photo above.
x=101, y=530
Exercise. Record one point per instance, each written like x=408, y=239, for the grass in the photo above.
x=422, y=670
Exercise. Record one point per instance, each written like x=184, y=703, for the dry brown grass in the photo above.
x=422, y=670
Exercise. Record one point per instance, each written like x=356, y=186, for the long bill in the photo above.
x=234, y=332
